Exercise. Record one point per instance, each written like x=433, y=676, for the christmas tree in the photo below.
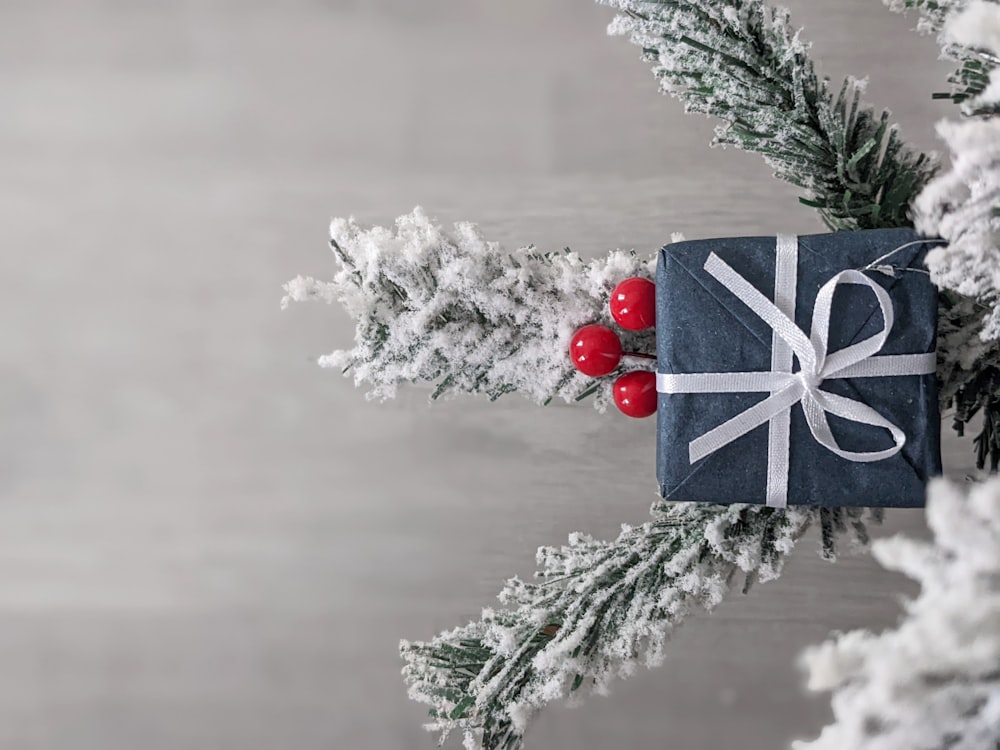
x=448, y=307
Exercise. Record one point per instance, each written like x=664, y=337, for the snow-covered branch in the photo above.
x=932, y=12
x=975, y=60
x=933, y=682
x=600, y=611
x=448, y=307
x=962, y=205
x=743, y=62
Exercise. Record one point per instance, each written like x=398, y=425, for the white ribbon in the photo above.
x=816, y=364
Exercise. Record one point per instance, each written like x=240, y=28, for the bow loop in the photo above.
x=835, y=362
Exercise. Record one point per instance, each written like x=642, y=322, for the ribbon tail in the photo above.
x=888, y=365
x=822, y=316
x=815, y=407
x=743, y=422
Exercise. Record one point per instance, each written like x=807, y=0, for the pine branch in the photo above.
x=933, y=681
x=742, y=62
x=932, y=12
x=962, y=205
x=449, y=308
x=600, y=610
x=975, y=64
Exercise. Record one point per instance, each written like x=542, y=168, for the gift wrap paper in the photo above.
x=703, y=327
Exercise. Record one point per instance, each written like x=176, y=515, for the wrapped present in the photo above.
x=797, y=370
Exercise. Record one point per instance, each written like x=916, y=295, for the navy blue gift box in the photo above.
x=797, y=370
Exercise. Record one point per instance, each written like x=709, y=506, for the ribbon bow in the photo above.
x=816, y=364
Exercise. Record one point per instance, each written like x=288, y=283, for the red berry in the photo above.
x=635, y=393
x=633, y=304
x=595, y=350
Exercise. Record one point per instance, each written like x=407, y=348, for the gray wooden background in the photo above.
x=208, y=543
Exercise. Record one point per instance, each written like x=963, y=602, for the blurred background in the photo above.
x=206, y=542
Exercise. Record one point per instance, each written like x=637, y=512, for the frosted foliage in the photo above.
x=932, y=12
x=448, y=306
x=743, y=62
x=975, y=25
x=968, y=36
x=975, y=30
x=600, y=611
x=962, y=205
x=933, y=682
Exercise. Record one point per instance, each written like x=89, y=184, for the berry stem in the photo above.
x=637, y=354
